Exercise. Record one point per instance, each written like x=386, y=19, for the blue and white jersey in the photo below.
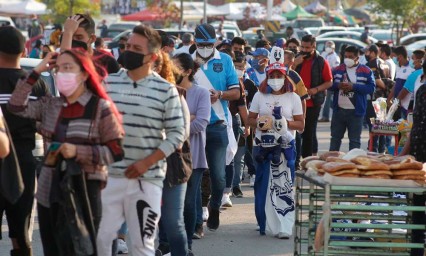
x=218, y=73
x=402, y=73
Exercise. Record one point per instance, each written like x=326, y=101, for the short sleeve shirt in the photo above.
x=218, y=73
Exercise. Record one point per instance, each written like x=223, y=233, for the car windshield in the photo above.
x=307, y=23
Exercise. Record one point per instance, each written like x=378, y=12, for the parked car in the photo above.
x=384, y=35
x=308, y=22
x=176, y=32
x=123, y=25
x=338, y=42
x=409, y=39
x=4, y=21
x=419, y=45
x=326, y=29
x=114, y=42
x=346, y=34
x=230, y=28
x=28, y=65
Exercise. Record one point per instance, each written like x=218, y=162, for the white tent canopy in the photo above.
x=287, y=6
x=194, y=10
x=235, y=11
x=26, y=7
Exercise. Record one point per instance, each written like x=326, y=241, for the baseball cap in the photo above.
x=280, y=42
x=205, y=33
x=224, y=42
x=260, y=52
x=11, y=40
x=276, y=67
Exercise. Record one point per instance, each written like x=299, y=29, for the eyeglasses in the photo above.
x=202, y=46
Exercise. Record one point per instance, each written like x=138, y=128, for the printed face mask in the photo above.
x=276, y=84
x=67, y=83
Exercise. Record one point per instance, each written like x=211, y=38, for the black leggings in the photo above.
x=308, y=137
x=51, y=219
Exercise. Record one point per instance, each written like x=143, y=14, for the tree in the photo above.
x=402, y=13
x=61, y=9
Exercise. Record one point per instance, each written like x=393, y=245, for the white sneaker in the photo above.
x=226, y=200
x=252, y=178
x=122, y=247
x=205, y=213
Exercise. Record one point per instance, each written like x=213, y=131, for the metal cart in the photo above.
x=358, y=220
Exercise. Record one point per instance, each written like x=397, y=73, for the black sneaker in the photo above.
x=213, y=220
x=237, y=192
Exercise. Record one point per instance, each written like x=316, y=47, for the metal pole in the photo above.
x=205, y=12
x=181, y=14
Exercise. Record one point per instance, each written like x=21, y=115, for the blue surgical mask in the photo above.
x=395, y=60
x=255, y=63
x=411, y=63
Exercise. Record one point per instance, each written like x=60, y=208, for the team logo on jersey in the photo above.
x=217, y=67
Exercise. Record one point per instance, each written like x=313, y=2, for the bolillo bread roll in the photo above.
x=405, y=166
x=307, y=160
x=332, y=153
x=336, y=166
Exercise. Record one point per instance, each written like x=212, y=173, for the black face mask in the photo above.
x=79, y=44
x=132, y=60
x=294, y=50
x=121, y=46
x=367, y=57
x=306, y=54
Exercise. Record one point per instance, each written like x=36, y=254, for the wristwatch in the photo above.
x=220, y=94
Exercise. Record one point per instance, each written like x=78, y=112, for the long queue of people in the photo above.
x=147, y=146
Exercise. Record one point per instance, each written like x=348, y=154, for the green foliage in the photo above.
x=402, y=13
x=61, y=9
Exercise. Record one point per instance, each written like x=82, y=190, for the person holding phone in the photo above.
x=82, y=124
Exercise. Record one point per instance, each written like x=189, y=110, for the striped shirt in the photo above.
x=87, y=123
x=152, y=119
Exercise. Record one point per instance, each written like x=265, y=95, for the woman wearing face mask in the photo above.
x=199, y=105
x=276, y=100
x=82, y=127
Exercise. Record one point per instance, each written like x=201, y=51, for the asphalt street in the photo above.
x=236, y=234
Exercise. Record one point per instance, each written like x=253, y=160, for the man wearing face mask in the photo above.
x=293, y=45
x=23, y=136
x=151, y=110
x=385, y=55
x=351, y=85
x=406, y=96
x=316, y=75
x=117, y=51
x=79, y=32
x=403, y=70
x=333, y=59
x=217, y=74
x=258, y=64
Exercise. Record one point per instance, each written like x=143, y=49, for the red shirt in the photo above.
x=305, y=74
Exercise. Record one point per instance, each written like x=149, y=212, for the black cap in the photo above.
x=205, y=33
x=11, y=40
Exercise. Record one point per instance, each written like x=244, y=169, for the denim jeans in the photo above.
x=172, y=226
x=260, y=190
x=345, y=119
x=238, y=166
x=229, y=170
x=327, y=105
x=216, y=144
x=193, y=203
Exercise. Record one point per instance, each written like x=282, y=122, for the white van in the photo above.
x=5, y=21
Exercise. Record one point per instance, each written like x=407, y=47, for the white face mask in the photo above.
x=328, y=50
x=240, y=73
x=205, y=53
x=276, y=84
x=349, y=62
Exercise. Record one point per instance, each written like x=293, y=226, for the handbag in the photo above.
x=179, y=166
x=11, y=183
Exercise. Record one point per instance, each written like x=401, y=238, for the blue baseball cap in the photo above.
x=280, y=42
x=260, y=52
x=205, y=33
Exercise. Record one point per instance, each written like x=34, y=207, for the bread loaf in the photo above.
x=364, y=160
x=408, y=172
x=344, y=172
x=407, y=166
x=315, y=164
x=376, y=172
x=331, y=153
x=336, y=159
x=374, y=166
x=307, y=160
x=334, y=166
x=378, y=176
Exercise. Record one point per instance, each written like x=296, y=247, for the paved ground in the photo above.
x=236, y=235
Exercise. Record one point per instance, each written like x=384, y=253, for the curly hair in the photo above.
x=164, y=67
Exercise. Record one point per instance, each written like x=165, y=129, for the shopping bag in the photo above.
x=279, y=208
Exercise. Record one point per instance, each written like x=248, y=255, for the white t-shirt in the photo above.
x=332, y=58
x=183, y=49
x=344, y=97
x=260, y=77
x=290, y=103
x=392, y=68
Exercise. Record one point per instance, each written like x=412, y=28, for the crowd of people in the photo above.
x=149, y=142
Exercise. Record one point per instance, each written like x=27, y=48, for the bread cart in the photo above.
x=354, y=216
